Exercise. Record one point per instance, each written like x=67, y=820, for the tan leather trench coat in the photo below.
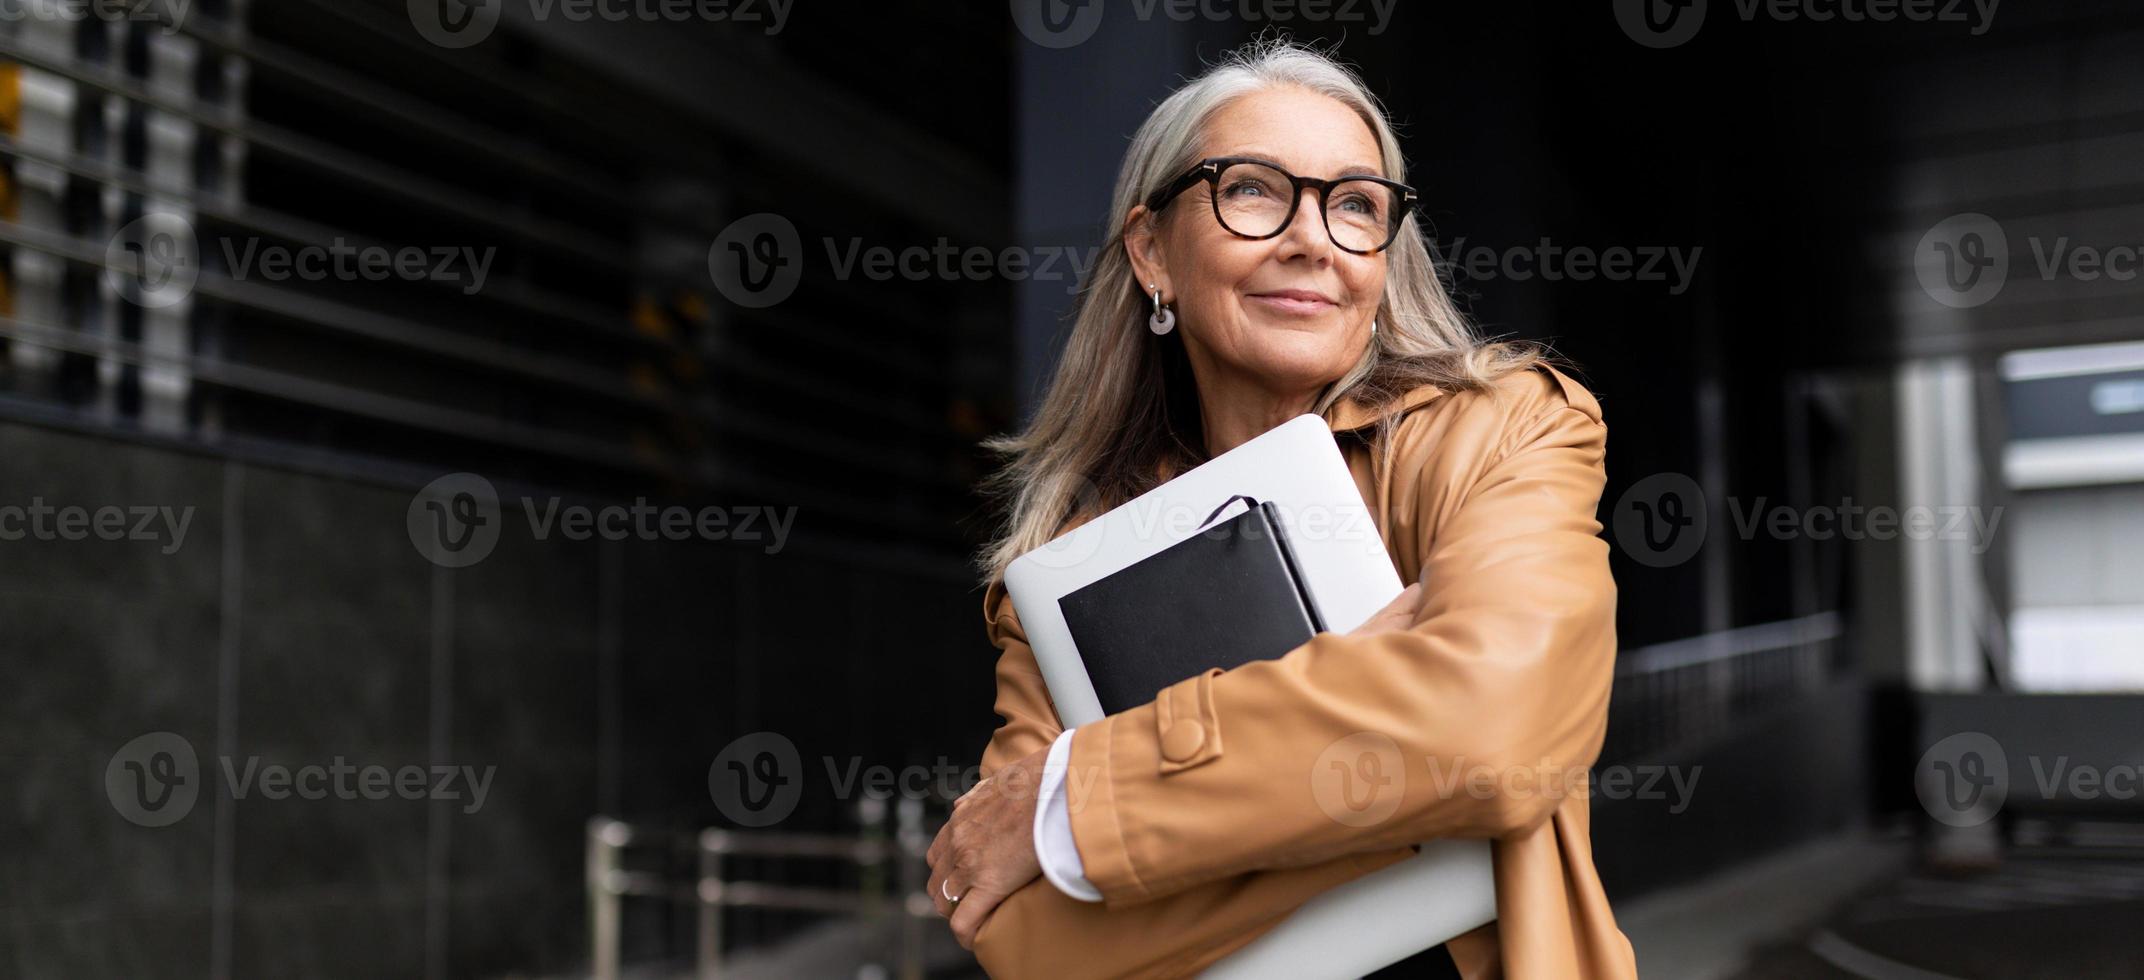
x=1196, y=814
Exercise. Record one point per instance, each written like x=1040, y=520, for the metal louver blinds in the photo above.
x=299, y=229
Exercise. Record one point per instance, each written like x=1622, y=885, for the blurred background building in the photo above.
x=1874, y=372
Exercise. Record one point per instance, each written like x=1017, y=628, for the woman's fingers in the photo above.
x=939, y=886
x=940, y=859
x=986, y=850
x=975, y=906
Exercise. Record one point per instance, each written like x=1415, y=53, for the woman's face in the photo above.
x=1287, y=314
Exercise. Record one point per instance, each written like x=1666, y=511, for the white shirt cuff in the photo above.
x=1054, y=846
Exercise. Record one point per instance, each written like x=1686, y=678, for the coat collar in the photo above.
x=1348, y=413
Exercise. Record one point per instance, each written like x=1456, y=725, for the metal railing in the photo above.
x=1687, y=691
x=891, y=870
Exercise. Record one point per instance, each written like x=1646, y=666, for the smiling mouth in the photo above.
x=1295, y=302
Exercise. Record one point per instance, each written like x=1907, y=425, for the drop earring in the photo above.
x=1163, y=319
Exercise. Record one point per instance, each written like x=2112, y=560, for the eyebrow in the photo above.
x=1351, y=170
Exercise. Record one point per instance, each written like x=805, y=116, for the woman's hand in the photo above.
x=1397, y=615
x=987, y=850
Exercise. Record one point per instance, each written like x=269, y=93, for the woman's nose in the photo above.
x=1306, y=231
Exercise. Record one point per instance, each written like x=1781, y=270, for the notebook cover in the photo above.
x=1225, y=596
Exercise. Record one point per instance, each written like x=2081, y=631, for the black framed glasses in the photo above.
x=1255, y=199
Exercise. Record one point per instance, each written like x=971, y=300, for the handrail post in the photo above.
x=605, y=838
x=913, y=875
x=875, y=868
x=707, y=892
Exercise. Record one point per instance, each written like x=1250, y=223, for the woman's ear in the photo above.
x=1142, y=244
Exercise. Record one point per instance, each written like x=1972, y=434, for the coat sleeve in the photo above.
x=1030, y=720
x=1476, y=722
x=1041, y=932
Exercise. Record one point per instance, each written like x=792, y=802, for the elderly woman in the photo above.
x=1264, y=265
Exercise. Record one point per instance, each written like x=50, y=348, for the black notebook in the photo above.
x=1226, y=596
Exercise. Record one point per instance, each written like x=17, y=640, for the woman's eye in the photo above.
x=1242, y=190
